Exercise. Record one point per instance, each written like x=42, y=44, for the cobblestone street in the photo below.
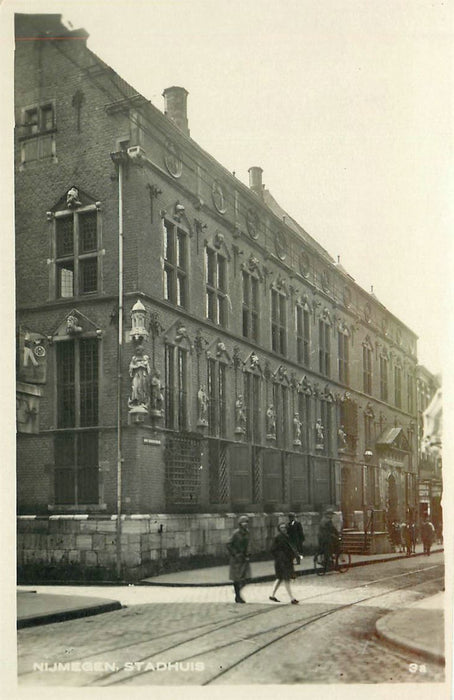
x=198, y=635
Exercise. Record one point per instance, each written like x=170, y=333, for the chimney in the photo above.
x=255, y=180
x=175, y=100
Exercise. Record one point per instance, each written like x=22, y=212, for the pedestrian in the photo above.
x=408, y=538
x=396, y=536
x=328, y=536
x=413, y=537
x=427, y=535
x=238, y=548
x=284, y=554
x=295, y=534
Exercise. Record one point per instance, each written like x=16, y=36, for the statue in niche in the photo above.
x=240, y=415
x=202, y=401
x=271, y=422
x=341, y=438
x=296, y=429
x=319, y=434
x=139, y=371
x=157, y=393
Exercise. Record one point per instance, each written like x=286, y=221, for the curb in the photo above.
x=63, y=615
x=382, y=631
x=265, y=578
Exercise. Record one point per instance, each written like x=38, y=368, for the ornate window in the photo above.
x=367, y=368
x=302, y=323
x=304, y=412
x=250, y=306
x=410, y=393
x=343, y=355
x=216, y=286
x=326, y=421
x=252, y=398
x=280, y=400
x=77, y=248
x=278, y=322
x=324, y=348
x=37, y=132
x=348, y=421
x=176, y=264
x=368, y=428
x=217, y=397
x=398, y=386
x=76, y=450
x=176, y=387
x=384, y=371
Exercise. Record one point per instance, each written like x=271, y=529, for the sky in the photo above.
x=345, y=104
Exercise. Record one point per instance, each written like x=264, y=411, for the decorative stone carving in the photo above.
x=319, y=435
x=240, y=416
x=157, y=395
x=139, y=371
x=202, y=406
x=341, y=438
x=296, y=429
x=270, y=423
x=72, y=198
x=72, y=325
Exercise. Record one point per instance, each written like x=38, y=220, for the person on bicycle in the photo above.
x=328, y=536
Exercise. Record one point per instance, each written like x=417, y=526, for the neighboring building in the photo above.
x=430, y=413
x=179, y=334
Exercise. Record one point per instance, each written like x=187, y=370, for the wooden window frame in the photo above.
x=176, y=264
x=77, y=258
x=278, y=322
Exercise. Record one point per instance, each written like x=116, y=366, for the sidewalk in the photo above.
x=418, y=628
x=42, y=609
x=261, y=570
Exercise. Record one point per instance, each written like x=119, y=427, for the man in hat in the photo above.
x=295, y=533
x=238, y=548
x=328, y=535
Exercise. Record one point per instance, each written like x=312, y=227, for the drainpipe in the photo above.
x=119, y=158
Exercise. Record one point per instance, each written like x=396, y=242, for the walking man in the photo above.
x=238, y=548
x=427, y=535
x=295, y=534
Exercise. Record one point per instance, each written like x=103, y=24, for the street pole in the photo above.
x=119, y=158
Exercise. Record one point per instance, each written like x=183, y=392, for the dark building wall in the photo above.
x=109, y=119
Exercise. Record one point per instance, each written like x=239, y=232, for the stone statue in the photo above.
x=319, y=434
x=240, y=415
x=270, y=422
x=296, y=429
x=341, y=438
x=202, y=401
x=157, y=393
x=139, y=371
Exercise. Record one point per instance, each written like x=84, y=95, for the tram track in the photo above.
x=279, y=632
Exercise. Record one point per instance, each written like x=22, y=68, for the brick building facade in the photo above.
x=180, y=334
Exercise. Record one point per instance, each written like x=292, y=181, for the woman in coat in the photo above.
x=283, y=554
x=238, y=548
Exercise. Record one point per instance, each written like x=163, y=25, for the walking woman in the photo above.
x=283, y=554
x=238, y=548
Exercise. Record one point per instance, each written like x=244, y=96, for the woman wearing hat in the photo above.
x=284, y=554
x=238, y=548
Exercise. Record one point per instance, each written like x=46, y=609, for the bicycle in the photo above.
x=337, y=561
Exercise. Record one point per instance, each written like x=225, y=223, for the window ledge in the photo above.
x=68, y=509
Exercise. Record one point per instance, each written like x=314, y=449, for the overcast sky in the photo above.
x=346, y=105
